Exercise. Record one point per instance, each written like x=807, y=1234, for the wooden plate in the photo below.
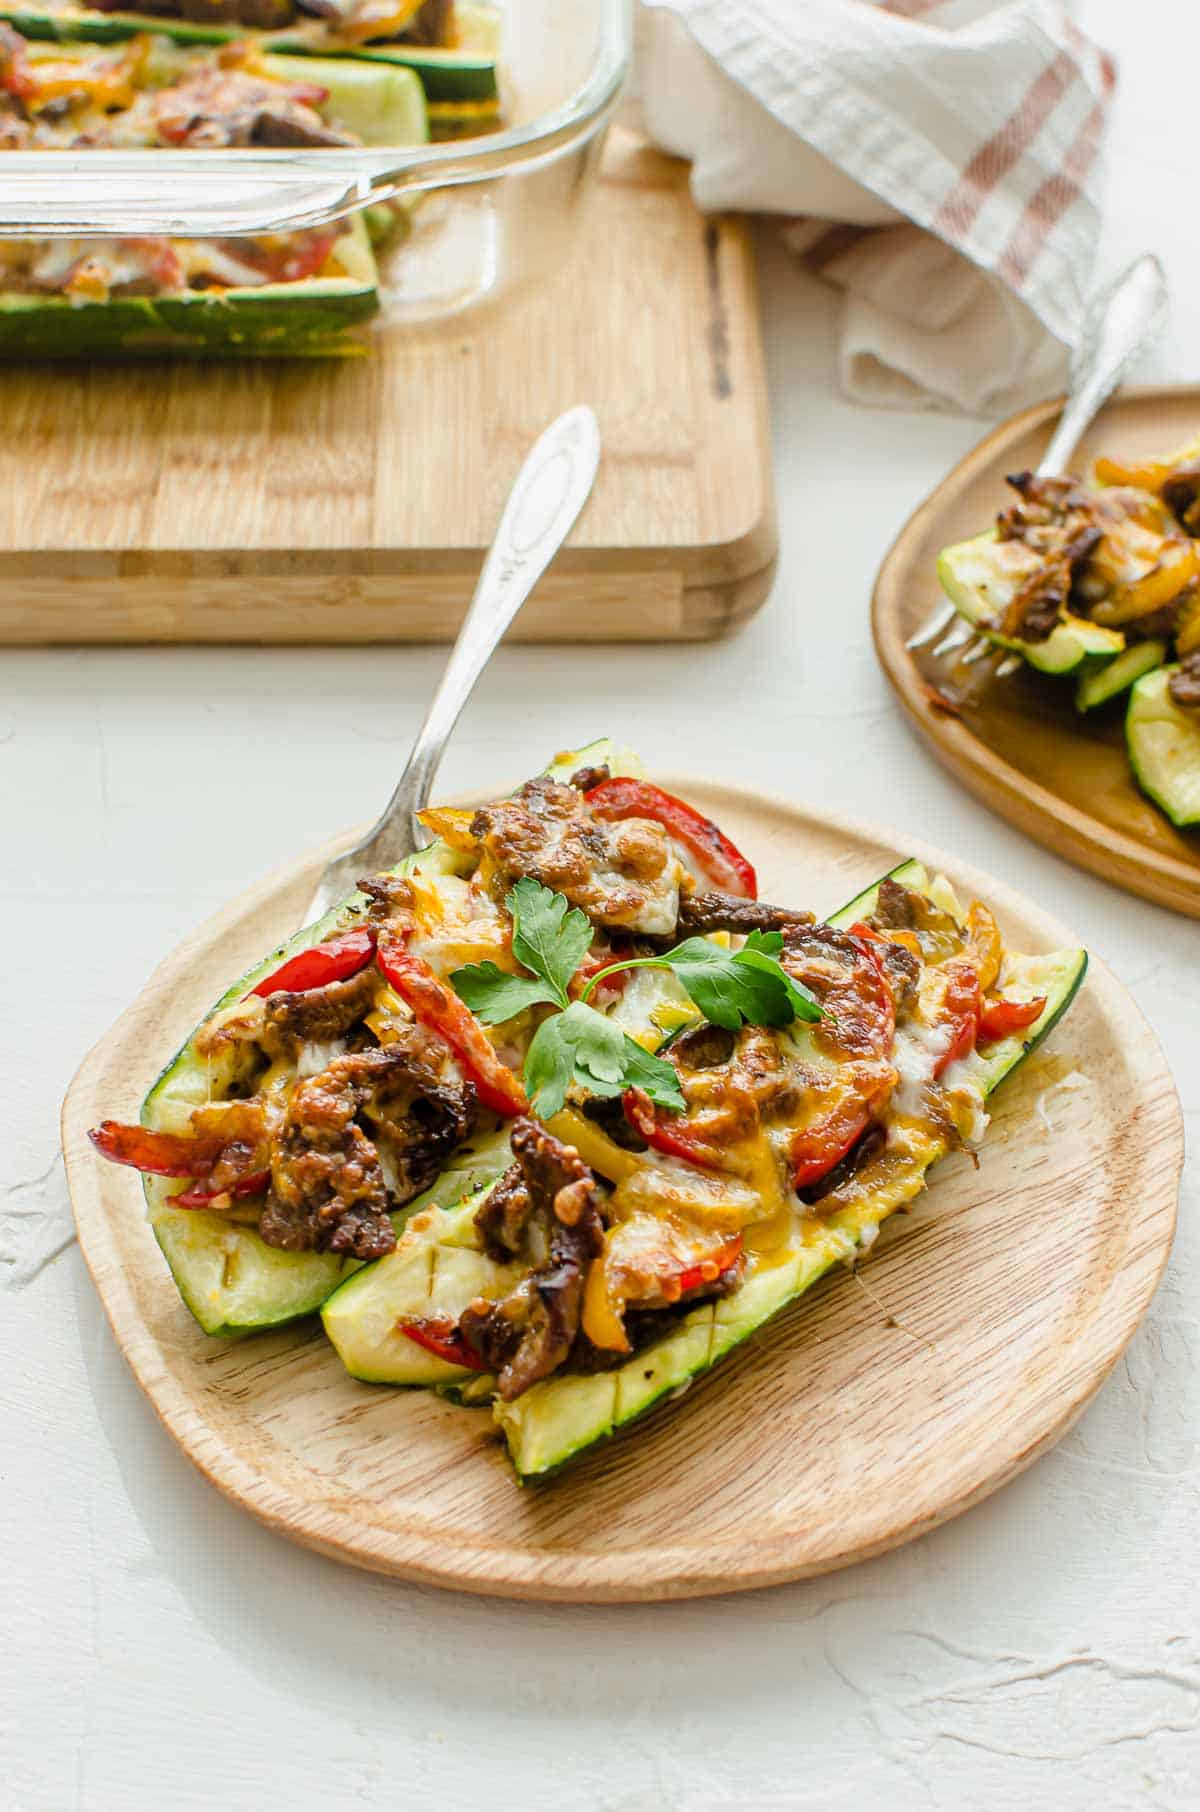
x=844, y=1428
x=1019, y=743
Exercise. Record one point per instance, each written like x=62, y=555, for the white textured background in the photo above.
x=162, y=1651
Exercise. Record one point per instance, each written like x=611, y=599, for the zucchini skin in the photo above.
x=445, y=74
x=1163, y=742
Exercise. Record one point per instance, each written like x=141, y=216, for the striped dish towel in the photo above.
x=939, y=160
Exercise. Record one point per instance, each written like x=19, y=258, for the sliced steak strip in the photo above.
x=725, y=912
x=318, y=1014
x=365, y=1135
x=1184, y=683
x=530, y=1333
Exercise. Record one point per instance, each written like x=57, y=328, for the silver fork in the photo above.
x=1121, y=322
x=550, y=490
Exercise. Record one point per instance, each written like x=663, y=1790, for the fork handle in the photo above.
x=1120, y=323
x=550, y=491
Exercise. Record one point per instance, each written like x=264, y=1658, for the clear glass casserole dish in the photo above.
x=452, y=224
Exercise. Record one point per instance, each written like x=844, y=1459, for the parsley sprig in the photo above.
x=579, y=1045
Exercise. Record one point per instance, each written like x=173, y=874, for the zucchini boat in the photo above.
x=230, y=1278
x=459, y=65
x=397, y=1321
x=707, y=1100
x=293, y=295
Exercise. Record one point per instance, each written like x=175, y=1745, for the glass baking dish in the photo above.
x=484, y=214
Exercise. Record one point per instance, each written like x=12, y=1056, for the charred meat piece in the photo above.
x=1058, y=519
x=1184, y=683
x=900, y=908
x=584, y=779
x=1181, y=494
x=530, y=1333
x=725, y=912
x=391, y=897
x=365, y=1135
x=623, y=875
x=261, y=15
x=319, y=1014
x=221, y=105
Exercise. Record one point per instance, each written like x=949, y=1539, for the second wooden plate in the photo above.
x=865, y=1415
x=1019, y=743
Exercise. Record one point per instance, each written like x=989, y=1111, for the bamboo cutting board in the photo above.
x=865, y=1414
x=352, y=500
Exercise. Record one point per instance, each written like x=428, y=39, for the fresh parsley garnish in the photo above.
x=578, y=1045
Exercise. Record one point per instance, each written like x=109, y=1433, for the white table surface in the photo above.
x=162, y=1650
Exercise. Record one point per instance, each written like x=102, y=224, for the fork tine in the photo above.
x=932, y=627
x=979, y=648
x=1008, y=666
x=957, y=637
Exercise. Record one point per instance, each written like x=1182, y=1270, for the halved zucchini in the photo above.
x=314, y=317
x=465, y=72
x=1164, y=748
x=230, y=1279
x=558, y=1418
x=1108, y=682
x=981, y=577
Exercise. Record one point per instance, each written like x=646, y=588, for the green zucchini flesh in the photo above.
x=1164, y=747
x=981, y=576
x=560, y=1417
x=465, y=72
x=1102, y=684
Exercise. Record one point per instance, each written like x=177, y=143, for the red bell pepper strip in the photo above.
x=724, y=1259
x=296, y=256
x=337, y=959
x=716, y=857
x=253, y=1183
x=440, y=1010
x=157, y=1153
x=1000, y=1018
x=962, y=1007
x=441, y=1337
x=668, y=1133
x=817, y=1149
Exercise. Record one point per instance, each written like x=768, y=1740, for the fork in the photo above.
x=1121, y=322
x=550, y=490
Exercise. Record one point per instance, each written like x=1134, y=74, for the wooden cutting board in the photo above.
x=352, y=500
x=862, y=1416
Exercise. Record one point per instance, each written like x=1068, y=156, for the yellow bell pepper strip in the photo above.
x=1143, y=475
x=1175, y=570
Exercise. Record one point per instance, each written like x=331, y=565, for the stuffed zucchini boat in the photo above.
x=293, y=294
x=1101, y=581
x=450, y=45
x=579, y=1110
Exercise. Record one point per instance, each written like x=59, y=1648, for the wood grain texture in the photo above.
x=353, y=500
x=1019, y=743
x=852, y=1423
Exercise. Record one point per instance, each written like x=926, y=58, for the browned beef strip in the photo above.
x=903, y=973
x=390, y=897
x=584, y=779
x=1181, y=494
x=727, y=912
x=900, y=908
x=1056, y=518
x=1184, y=683
x=265, y=15
x=322, y=1013
x=503, y=1217
x=705, y=1047
x=328, y=1187
x=530, y=1333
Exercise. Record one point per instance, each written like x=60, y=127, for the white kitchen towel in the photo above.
x=955, y=144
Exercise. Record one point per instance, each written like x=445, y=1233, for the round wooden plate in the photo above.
x=1019, y=743
x=842, y=1429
